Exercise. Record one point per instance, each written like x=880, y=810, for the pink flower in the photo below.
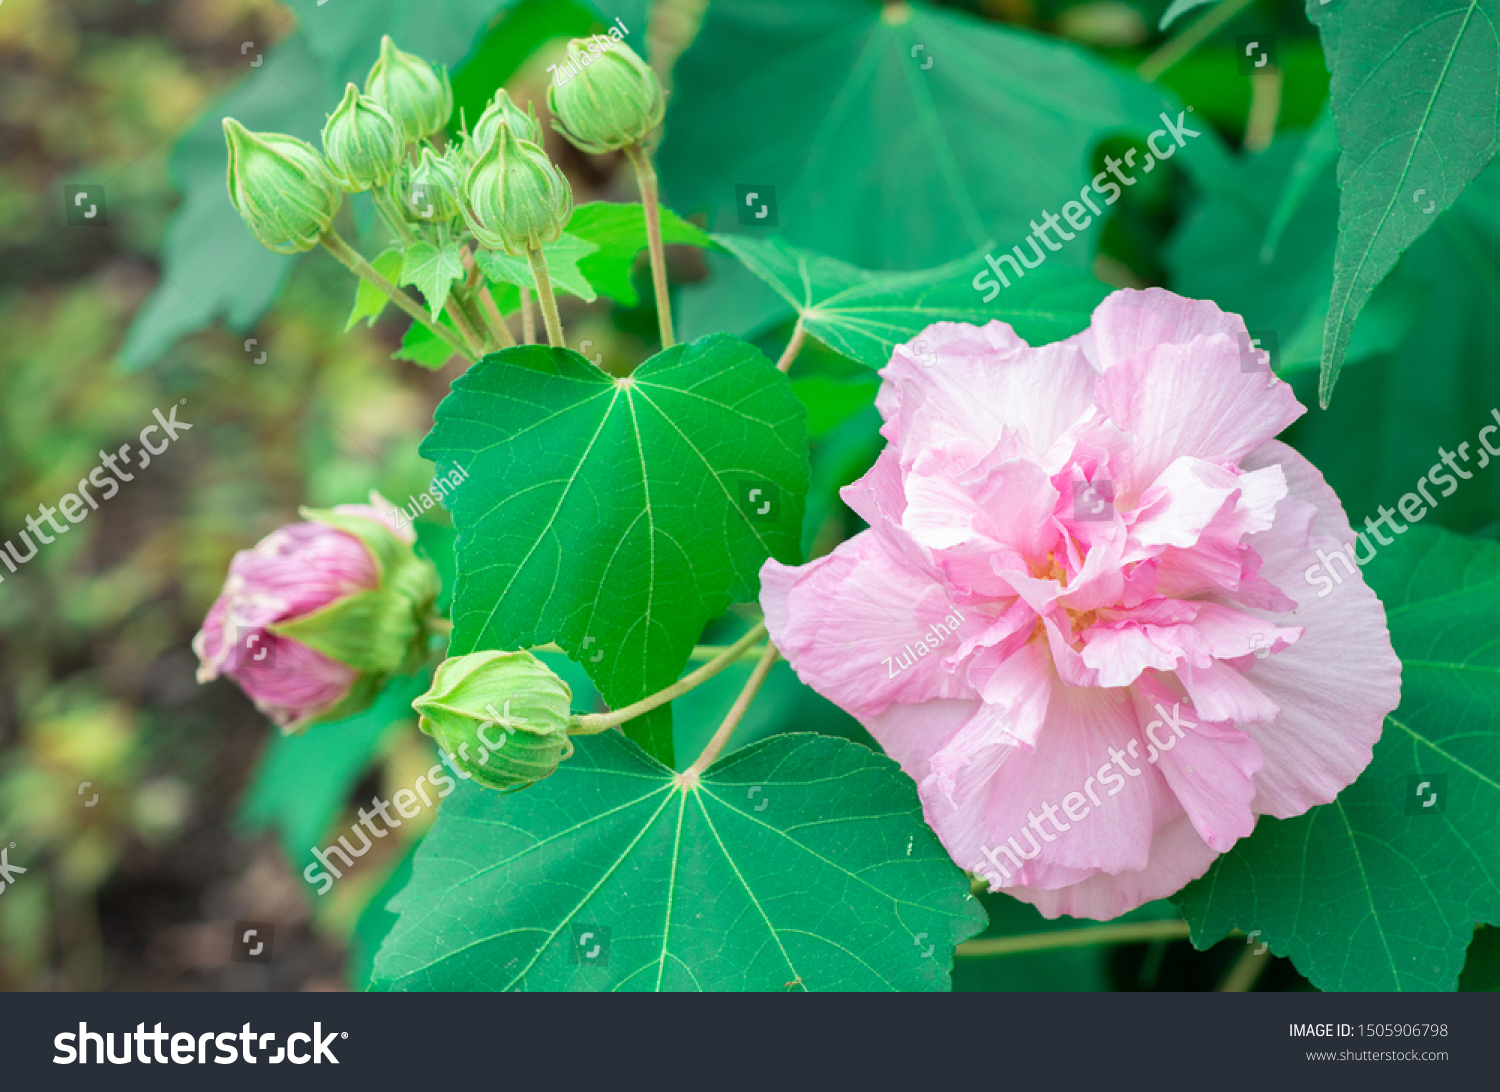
x=1079, y=619
x=294, y=573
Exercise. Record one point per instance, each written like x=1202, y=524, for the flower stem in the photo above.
x=593, y=723
x=1074, y=938
x=458, y=308
x=645, y=174
x=793, y=347
x=528, y=319
x=492, y=318
x=736, y=713
x=1189, y=40
x=544, y=293
x=356, y=264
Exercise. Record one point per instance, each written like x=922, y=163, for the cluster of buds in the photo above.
x=496, y=179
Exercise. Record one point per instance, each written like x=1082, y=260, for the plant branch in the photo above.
x=1189, y=40
x=1246, y=970
x=493, y=319
x=793, y=347
x=1074, y=938
x=736, y=714
x=645, y=174
x=593, y=723
x=528, y=319
x=356, y=264
x=544, y=294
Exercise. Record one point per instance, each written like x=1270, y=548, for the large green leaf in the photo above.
x=866, y=315
x=1371, y=892
x=897, y=136
x=798, y=862
x=1416, y=101
x=302, y=781
x=618, y=231
x=211, y=266
x=616, y=517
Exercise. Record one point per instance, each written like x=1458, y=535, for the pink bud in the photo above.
x=294, y=571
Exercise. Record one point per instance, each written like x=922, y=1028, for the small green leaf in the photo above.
x=421, y=346
x=433, y=270
x=1371, y=892
x=370, y=301
x=801, y=862
x=1408, y=155
x=617, y=517
x=865, y=315
x=619, y=233
x=563, y=256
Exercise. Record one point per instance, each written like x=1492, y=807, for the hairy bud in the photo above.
x=431, y=189
x=362, y=142
x=418, y=96
x=516, y=200
x=501, y=111
x=281, y=186
x=500, y=717
x=612, y=101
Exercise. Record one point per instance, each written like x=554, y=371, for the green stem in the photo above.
x=356, y=264
x=593, y=723
x=458, y=309
x=793, y=347
x=544, y=293
x=736, y=713
x=492, y=318
x=1074, y=938
x=645, y=174
x=1189, y=40
x=528, y=319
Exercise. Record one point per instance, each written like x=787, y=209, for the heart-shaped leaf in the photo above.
x=800, y=862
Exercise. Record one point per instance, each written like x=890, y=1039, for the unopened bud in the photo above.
x=500, y=717
x=281, y=186
x=501, y=111
x=418, y=96
x=516, y=200
x=432, y=190
x=614, y=100
x=363, y=143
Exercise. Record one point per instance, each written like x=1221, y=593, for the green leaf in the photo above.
x=1320, y=148
x=799, y=862
x=302, y=781
x=1414, y=99
x=211, y=266
x=1369, y=893
x=882, y=160
x=370, y=301
x=618, y=231
x=1219, y=252
x=563, y=256
x=433, y=270
x=865, y=315
x=421, y=346
x=616, y=517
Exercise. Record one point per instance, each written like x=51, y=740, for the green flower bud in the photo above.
x=501, y=111
x=363, y=143
x=500, y=717
x=515, y=198
x=282, y=187
x=612, y=98
x=431, y=190
x=418, y=96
